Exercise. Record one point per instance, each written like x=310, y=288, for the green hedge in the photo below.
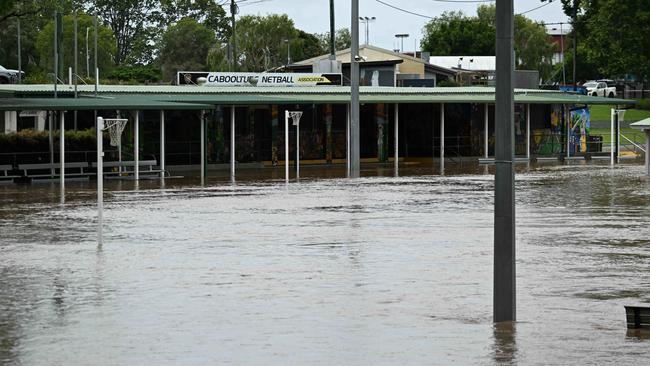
x=38, y=141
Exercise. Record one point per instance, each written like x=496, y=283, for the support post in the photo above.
x=355, y=152
x=528, y=132
x=612, y=146
x=286, y=146
x=442, y=133
x=567, y=123
x=396, y=137
x=647, y=152
x=19, y=50
x=202, y=119
x=232, y=142
x=504, y=204
x=162, y=144
x=51, y=142
x=486, y=128
x=298, y=150
x=136, y=146
x=347, y=138
x=100, y=179
x=62, y=149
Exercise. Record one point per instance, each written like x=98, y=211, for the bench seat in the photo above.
x=36, y=170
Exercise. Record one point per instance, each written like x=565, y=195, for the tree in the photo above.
x=310, y=45
x=342, y=40
x=206, y=12
x=616, y=37
x=129, y=20
x=455, y=34
x=106, y=45
x=185, y=46
x=263, y=41
x=12, y=9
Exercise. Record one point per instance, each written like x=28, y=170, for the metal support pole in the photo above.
x=20, y=62
x=100, y=179
x=76, y=64
x=96, y=67
x=286, y=146
x=355, y=151
x=332, y=32
x=51, y=141
x=347, y=138
x=62, y=148
x=162, y=144
x=486, y=127
x=202, y=120
x=232, y=142
x=647, y=152
x=442, y=133
x=298, y=150
x=56, y=54
x=528, y=131
x=611, y=139
x=396, y=137
x=567, y=123
x=504, y=198
x=136, y=145
x=617, y=126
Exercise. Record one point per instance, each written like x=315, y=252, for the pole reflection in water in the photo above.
x=504, y=349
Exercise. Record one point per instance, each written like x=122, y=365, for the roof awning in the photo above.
x=132, y=102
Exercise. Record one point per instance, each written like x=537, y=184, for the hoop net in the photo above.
x=115, y=128
x=295, y=117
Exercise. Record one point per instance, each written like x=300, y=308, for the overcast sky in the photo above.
x=313, y=15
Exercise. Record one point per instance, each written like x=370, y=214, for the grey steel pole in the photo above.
x=62, y=150
x=100, y=179
x=396, y=138
x=232, y=142
x=286, y=146
x=233, y=43
x=504, y=198
x=611, y=137
x=162, y=144
x=355, y=152
x=136, y=146
x=20, y=63
x=96, y=68
x=332, y=32
x=486, y=127
x=76, y=66
x=202, y=119
x=87, y=55
x=567, y=123
x=647, y=152
x=442, y=134
x=528, y=131
x=347, y=139
x=51, y=142
x=56, y=54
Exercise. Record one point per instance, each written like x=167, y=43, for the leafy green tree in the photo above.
x=12, y=9
x=311, y=46
x=185, y=46
x=455, y=34
x=218, y=59
x=616, y=37
x=106, y=46
x=207, y=12
x=342, y=40
x=263, y=41
x=129, y=20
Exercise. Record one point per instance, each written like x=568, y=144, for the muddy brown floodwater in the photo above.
x=379, y=270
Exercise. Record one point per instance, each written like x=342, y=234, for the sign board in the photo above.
x=258, y=79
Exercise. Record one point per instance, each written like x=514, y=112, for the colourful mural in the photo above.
x=580, y=125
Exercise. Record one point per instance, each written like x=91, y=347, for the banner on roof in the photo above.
x=263, y=79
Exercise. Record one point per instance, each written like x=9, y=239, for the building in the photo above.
x=558, y=34
x=382, y=67
x=213, y=127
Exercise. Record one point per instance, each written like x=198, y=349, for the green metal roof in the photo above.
x=101, y=103
x=22, y=97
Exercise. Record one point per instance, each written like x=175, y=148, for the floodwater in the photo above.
x=372, y=271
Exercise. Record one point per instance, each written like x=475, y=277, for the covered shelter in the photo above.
x=425, y=122
x=644, y=125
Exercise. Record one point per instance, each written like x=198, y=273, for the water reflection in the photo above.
x=505, y=343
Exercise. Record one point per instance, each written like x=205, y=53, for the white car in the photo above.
x=600, y=88
x=9, y=76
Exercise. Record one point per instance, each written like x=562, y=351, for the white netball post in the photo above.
x=295, y=117
x=115, y=127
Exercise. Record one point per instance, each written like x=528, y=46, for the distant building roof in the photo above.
x=473, y=63
x=387, y=55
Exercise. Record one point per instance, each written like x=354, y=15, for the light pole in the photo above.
x=401, y=36
x=367, y=21
x=287, y=41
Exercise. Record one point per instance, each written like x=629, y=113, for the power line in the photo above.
x=404, y=10
x=456, y=1
x=539, y=7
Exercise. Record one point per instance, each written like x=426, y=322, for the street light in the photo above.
x=367, y=21
x=401, y=37
x=287, y=41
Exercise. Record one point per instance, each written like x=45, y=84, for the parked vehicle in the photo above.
x=601, y=88
x=8, y=76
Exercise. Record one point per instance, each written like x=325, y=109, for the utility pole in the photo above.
x=20, y=63
x=504, y=306
x=233, y=46
x=56, y=53
x=355, y=151
x=576, y=5
x=96, y=68
x=332, y=32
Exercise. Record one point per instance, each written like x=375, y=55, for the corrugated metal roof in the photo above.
x=149, y=95
x=103, y=103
